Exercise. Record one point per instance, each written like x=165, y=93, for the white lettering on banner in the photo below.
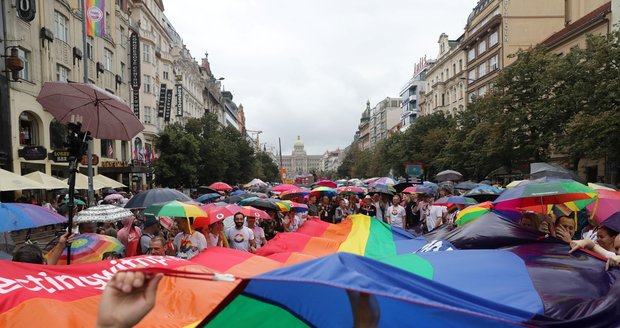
x=434, y=246
x=52, y=284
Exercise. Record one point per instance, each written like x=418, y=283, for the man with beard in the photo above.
x=241, y=237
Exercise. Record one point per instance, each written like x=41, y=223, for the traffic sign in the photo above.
x=414, y=169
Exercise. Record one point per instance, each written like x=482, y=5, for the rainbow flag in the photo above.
x=358, y=234
x=95, y=17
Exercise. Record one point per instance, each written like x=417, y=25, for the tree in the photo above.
x=177, y=164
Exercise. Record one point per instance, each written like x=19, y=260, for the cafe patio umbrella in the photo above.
x=102, y=213
x=48, y=181
x=108, y=182
x=145, y=198
x=10, y=181
x=81, y=182
x=90, y=247
x=105, y=115
x=18, y=216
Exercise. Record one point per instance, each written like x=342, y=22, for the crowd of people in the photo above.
x=413, y=212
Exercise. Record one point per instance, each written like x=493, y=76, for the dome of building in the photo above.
x=298, y=143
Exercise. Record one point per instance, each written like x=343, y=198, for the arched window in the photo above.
x=28, y=129
x=58, y=135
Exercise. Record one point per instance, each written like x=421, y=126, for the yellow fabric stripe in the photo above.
x=358, y=237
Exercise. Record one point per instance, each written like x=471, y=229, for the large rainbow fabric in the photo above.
x=95, y=17
x=34, y=295
x=360, y=234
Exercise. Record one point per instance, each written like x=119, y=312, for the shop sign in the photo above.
x=33, y=153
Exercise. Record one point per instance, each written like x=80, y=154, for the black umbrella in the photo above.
x=260, y=203
x=206, y=190
x=239, y=197
x=158, y=195
x=551, y=170
x=483, y=193
x=401, y=186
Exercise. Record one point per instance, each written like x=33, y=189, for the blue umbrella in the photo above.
x=207, y=197
x=17, y=216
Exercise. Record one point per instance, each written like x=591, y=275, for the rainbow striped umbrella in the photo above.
x=297, y=207
x=324, y=191
x=472, y=212
x=174, y=208
x=351, y=190
x=90, y=247
x=17, y=216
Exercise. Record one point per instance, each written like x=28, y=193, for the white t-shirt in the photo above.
x=213, y=239
x=188, y=246
x=433, y=216
x=240, y=238
x=397, y=215
x=259, y=234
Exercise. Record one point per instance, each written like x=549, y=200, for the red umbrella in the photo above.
x=214, y=214
x=284, y=187
x=220, y=186
x=250, y=211
x=105, y=115
x=327, y=183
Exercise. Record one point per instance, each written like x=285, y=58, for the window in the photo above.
x=482, y=69
x=89, y=47
x=146, y=53
x=493, y=38
x=107, y=148
x=24, y=55
x=124, y=151
x=121, y=36
x=147, y=114
x=62, y=73
x=107, y=59
x=58, y=135
x=482, y=91
x=443, y=99
x=493, y=63
x=147, y=84
x=460, y=65
x=482, y=47
x=123, y=69
x=107, y=24
x=471, y=54
x=472, y=96
x=61, y=24
x=471, y=75
x=28, y=130
x=166, y=70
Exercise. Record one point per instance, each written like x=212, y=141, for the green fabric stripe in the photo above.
x=255, y=314
x=380, y=241
x=411, y=263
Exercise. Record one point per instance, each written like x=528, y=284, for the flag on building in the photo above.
x=135, y=153
x=142, y=153
x=95, y=17
x=110, y=150
x=153, y=157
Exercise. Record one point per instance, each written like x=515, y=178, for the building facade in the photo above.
x=410, y=94
x=383, y=118
x=498, y=28
x=446, y=79
x=299, y=163
x=332, y=159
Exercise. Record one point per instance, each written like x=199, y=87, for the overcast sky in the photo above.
x=307, y=67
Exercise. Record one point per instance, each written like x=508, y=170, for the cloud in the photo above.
x=307, y=67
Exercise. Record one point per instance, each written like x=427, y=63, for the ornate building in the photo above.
x=299, y=163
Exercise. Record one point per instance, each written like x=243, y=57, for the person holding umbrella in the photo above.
x=188, y=242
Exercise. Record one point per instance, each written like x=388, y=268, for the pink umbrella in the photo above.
x=606, y=205
x=113, y=197
x=253, y=212
x=105, y=115
x=214, y=214
x=284, y=187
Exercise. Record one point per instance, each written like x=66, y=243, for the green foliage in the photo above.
x=540, y=105
x=201, y=152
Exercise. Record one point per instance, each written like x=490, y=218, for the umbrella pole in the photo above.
x=71, y=203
